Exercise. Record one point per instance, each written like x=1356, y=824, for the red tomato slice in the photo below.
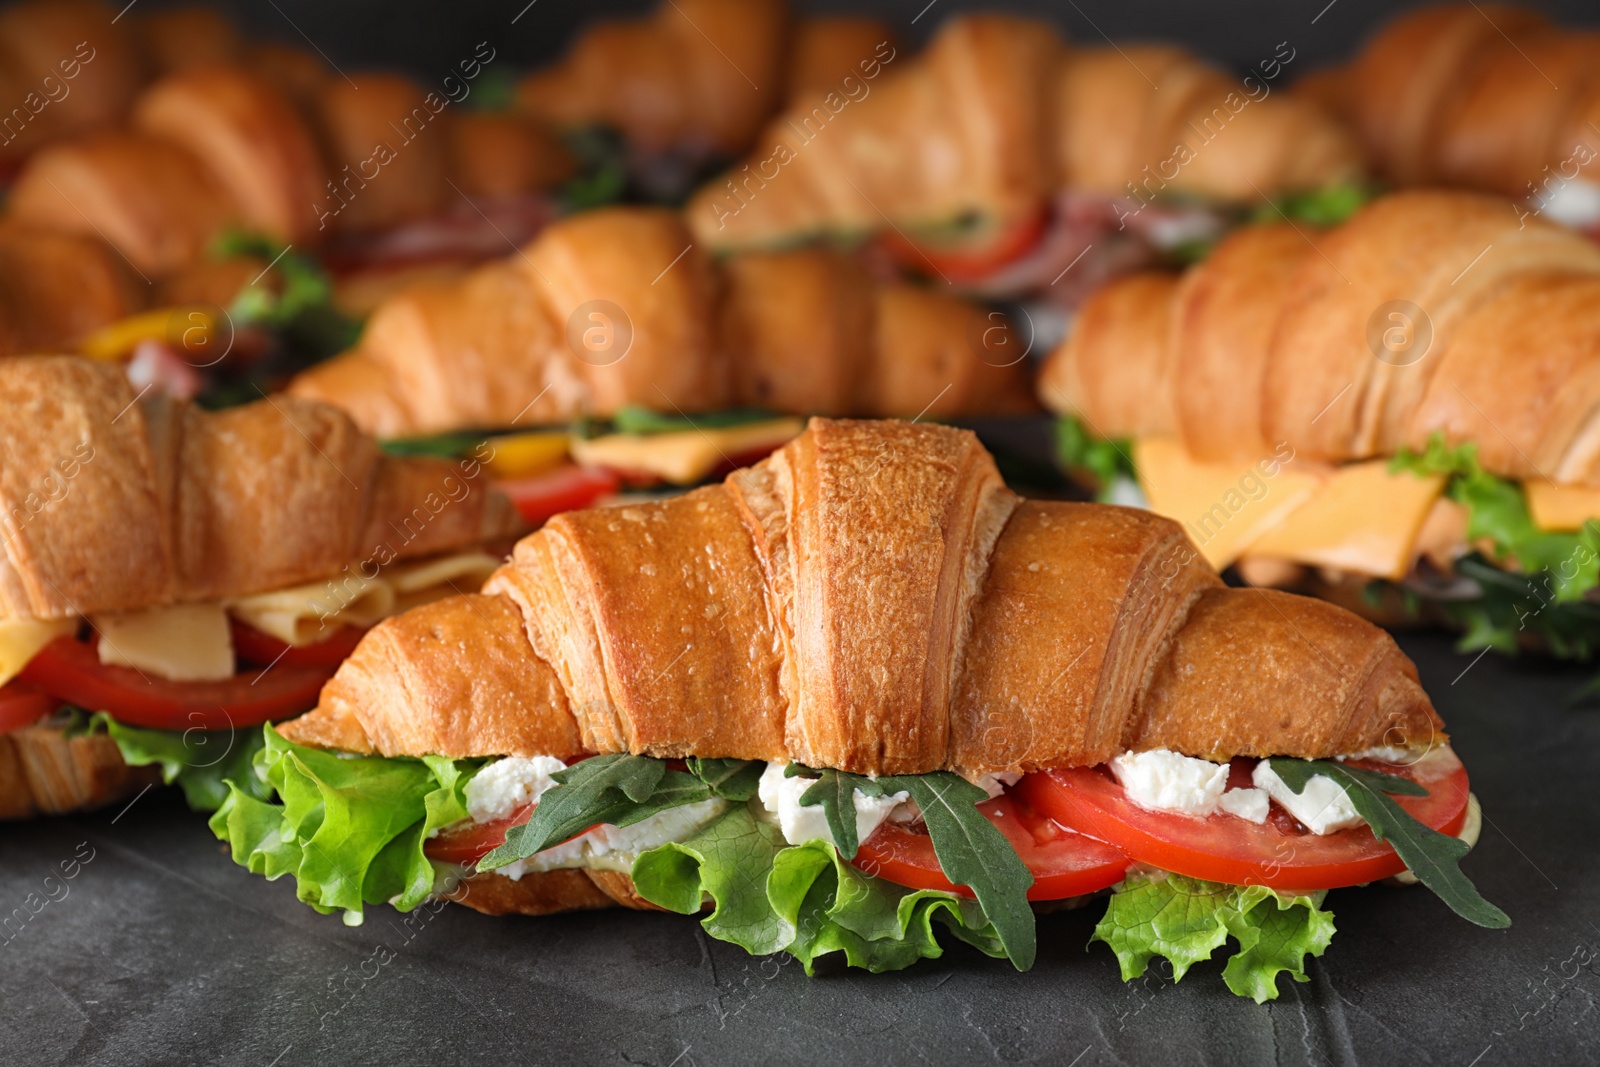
x=468, y=842
x=71, y=670
x=1279, y=853
x=1063, y=863
x=252, y=646
x=542, y=496
x=22, y=705
x=973, y=259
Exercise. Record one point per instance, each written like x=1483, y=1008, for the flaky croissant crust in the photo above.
x=871, y=598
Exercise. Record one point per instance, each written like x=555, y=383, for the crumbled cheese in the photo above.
x=995, y=784
x=1323, y=807
x=1160, y=780
x=614, y=848
x=1398, y=754
x=1248, y=804
x=507, y=784
x=1572, y=203
x=780, y=797
x=1126, y=492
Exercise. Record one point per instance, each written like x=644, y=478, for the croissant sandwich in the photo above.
x=172, y=578
x=998, y=158
x=860, y=697
x=1402, y=406
x=374, y=168
x=618, y=309
x=1488, y=97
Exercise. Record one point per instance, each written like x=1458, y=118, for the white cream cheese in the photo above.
x=1250, y=805
x=1161, y=780
x=1323, y=807
x=780, y=797
x=505, y=785
x=614, y=848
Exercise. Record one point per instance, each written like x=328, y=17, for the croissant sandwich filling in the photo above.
x=184, y=688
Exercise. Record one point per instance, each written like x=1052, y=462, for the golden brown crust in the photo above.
x=177, y=38
x=249, y=138
x=871, y=598
x=45, y=772
x=116, y=503
x=1427, y=311
x=549, y=892
x=387, y=152
x=826, y=50
x=503, y=154
x=156, y=206
x=695, y=74
x=80, y=41
x=57, y=288
x=620, y=307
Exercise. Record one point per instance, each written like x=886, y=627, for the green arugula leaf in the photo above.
x=619, y=789
x=1105, y=461
x=305, y=283
x=730, y=779
x=602, y=170
x=835, y=792
x=973, y=852
x=438, y=446
x=202, y=763
x=1433, y=857
x=1186, y=920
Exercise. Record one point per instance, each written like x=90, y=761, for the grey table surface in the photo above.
x=161, y=950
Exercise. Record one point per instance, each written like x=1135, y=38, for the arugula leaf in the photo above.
x=618, y=789
x=602, y=169
x=438, y=446
x=835, y=792
x=1186, y=920
x=804, y=900
x=1433, y=857
x=1105, y=461
x=305, y=283
x=201, y=762
x=730, y=779
x=349, y=829
x=973, y=852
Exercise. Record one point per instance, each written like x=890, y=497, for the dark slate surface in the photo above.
x=163, y=951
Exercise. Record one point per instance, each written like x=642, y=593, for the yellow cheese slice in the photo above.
x=685, y=457
x=1223, y=507
x=184, y=643
x=1561, y=507
x=305, y=614
x=1365, y=519
x=21, y=640
x=423, y=583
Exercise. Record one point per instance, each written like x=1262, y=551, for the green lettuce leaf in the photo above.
x=1328, y=206
x=1083, y=452
x=804, y=900
x=200, y=762
x=1187, y=919
x=349, y=829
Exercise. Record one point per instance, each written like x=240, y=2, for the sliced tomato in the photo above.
x=252, y=646
x=23, y=705
x=1063, y=863
x=468, y=842
x=543, y=496
x=970, y=258
x=1279, y=852
x=71, y=671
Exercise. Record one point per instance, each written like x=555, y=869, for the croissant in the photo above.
x=695, y=75
x=870, y=598
x=1487, y=97
x=617, y=307
x=993, y=118
x=118, y=501
x=57, y=288
x=67, y=67
x=1429, y=317
x=211, y=146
